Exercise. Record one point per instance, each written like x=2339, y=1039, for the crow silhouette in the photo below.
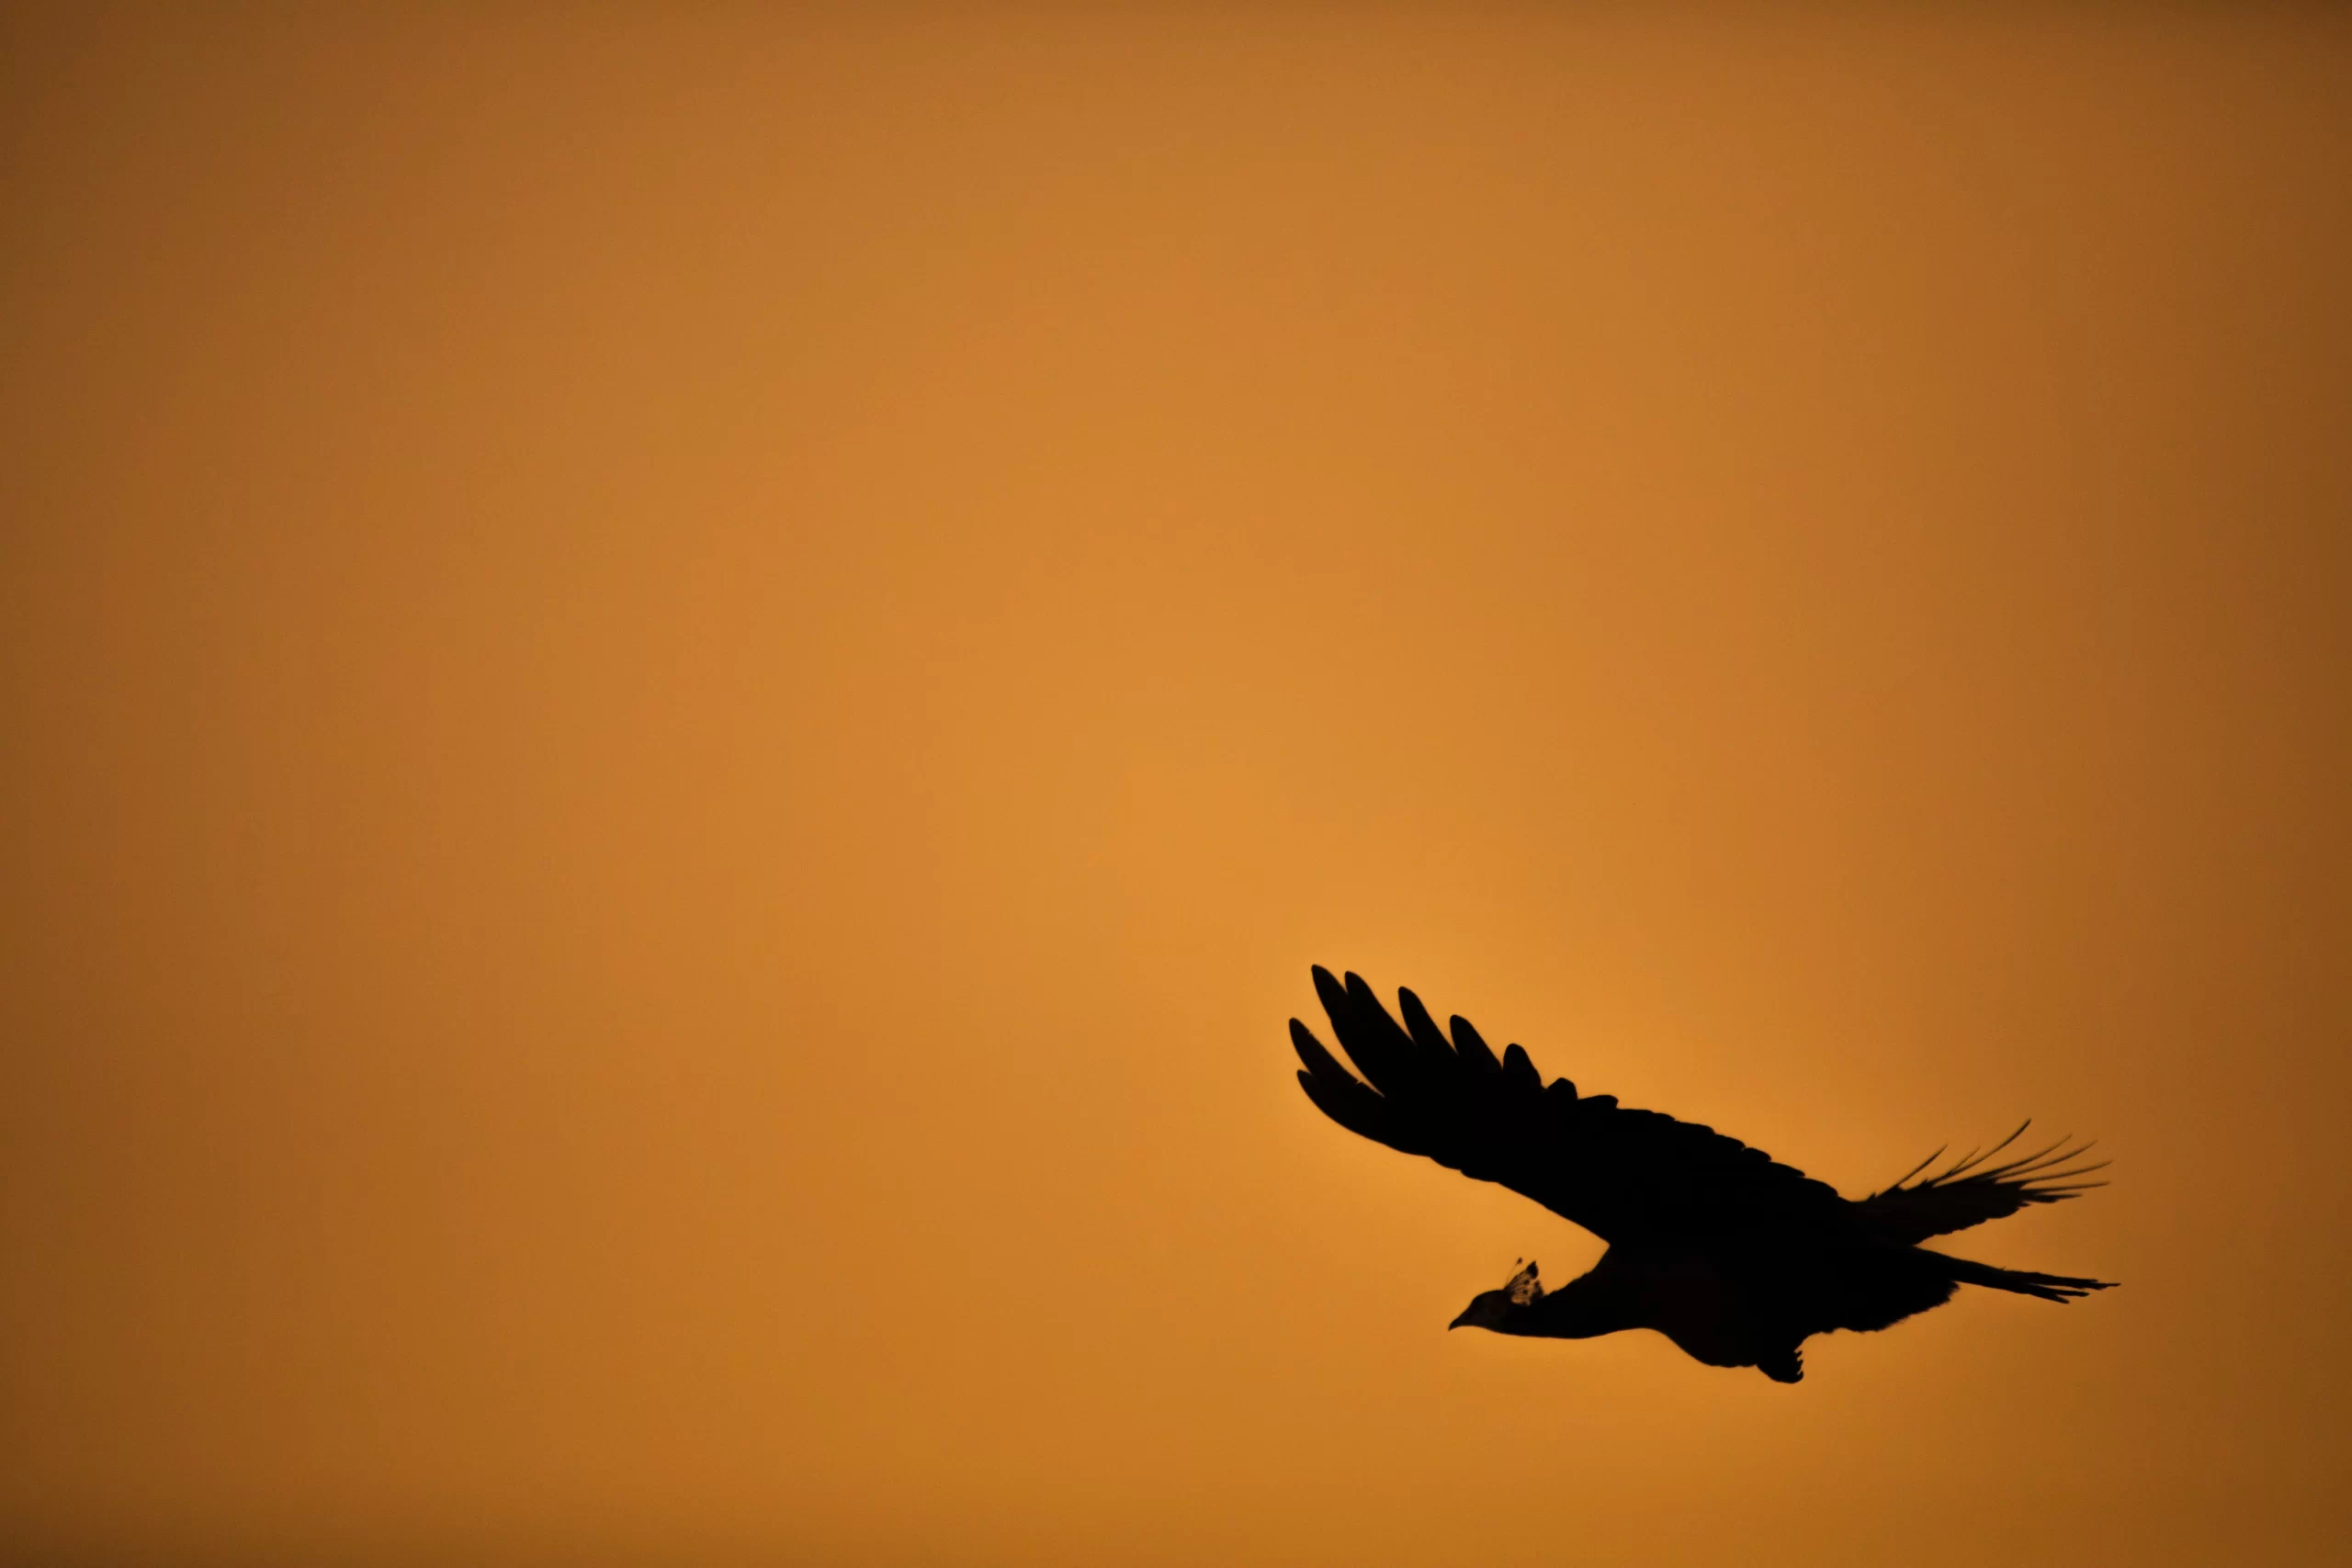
x=1735, y=1257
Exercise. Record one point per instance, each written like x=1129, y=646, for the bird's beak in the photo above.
x=1459, y=1320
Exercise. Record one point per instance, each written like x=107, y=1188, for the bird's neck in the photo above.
x=1581, y=1309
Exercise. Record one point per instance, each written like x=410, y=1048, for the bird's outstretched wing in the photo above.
x=1624, y=1175
x=1968, y=1192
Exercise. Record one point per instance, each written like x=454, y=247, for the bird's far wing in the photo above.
x=1969, y=1191
x=1624, y=1175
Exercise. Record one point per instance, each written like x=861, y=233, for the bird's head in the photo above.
x=1500, y=1310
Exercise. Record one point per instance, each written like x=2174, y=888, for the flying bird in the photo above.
x=1734, y=1256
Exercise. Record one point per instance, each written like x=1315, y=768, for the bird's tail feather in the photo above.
x=2044, y=1287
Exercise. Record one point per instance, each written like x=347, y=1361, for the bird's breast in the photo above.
x=1692, y=1299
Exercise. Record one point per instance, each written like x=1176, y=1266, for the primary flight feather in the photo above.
x=1734, y=1256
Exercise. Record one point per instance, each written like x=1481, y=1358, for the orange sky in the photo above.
x=684, y=698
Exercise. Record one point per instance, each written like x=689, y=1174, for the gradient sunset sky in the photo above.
x=685, y=689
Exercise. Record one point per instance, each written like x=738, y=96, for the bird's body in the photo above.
x=1735, y=1257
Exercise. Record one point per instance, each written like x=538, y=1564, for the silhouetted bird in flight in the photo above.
x=1733, y=1255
